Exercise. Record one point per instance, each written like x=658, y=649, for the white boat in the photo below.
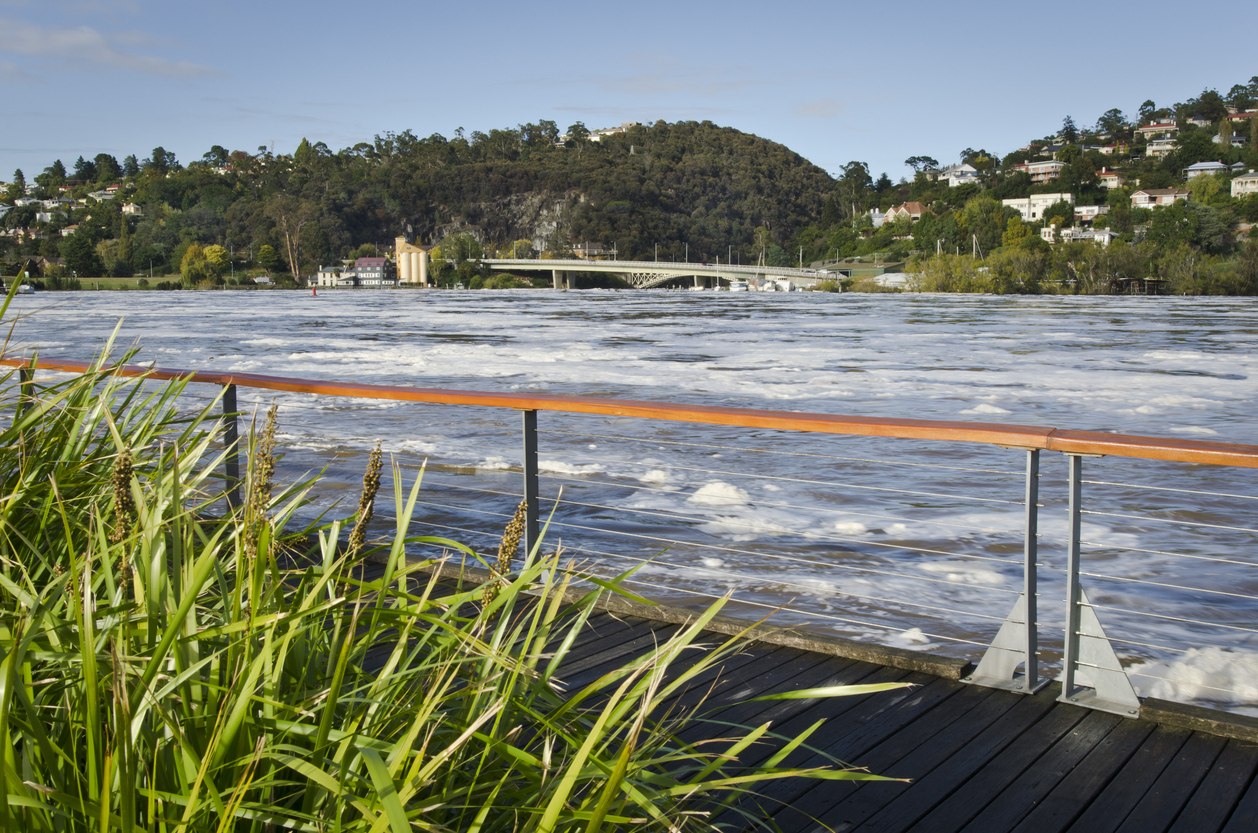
x=26, y=289
x=737, y=286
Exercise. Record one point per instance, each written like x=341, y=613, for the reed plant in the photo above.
x=167, y=664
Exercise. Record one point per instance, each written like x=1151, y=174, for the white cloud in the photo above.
x=85, y=46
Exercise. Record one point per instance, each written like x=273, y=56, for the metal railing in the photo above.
x=846, y=544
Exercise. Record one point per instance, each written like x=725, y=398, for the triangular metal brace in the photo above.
x=999, y=666
x=1096, y=663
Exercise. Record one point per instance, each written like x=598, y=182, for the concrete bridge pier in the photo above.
x=559, y=279
x=701, y=281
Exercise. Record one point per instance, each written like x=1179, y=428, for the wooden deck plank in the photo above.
x=925, y=793
x=1001, y=771
x=850, y=737
x=1117, y=800
x=847, y=804
x=1021, y=796
x=917, y=758
x=1214, y=800
x=1244, y=818
x=1066, y=801
x=1168, y=795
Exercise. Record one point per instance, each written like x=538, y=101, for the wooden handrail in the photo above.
x=1016, y=436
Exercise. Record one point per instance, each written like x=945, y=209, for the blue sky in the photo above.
x=835, y=81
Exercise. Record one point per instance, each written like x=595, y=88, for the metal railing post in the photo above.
x=532, y=504
x=1030, y=572
x=231, y=439
x=1070, y=650
x=1017, y=641
x=1086, y=646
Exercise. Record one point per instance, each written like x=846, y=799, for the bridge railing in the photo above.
x=964, y=539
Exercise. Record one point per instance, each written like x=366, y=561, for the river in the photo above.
x=907, y=543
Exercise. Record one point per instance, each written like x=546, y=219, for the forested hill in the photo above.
x=671, y=185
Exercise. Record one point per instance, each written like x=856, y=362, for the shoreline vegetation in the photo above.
x=169, y=664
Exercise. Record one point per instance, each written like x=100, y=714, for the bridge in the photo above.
x=649, y=274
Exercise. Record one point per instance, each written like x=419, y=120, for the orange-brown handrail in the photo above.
x=1016, y=436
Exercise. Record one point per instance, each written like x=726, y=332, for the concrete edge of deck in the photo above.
x=1200, y=719
x=947, y=667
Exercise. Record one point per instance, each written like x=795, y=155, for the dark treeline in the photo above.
x=686, y=187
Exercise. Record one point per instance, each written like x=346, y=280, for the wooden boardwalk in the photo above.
x=979, y=760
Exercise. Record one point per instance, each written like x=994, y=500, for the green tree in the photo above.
x=80, y=256
x=1068, y=130
x=123, y=266
x=161, y=161
x=84, y=171
x=1015, y=232
x=303, y=154
x=1112, y=122
x=268, y=259
x=194, y=267
x=54, y=175
x=218, y=259
x=130, y=166
x=17, y=187
x=1061, y=211
x=291, y=214
x=829, y=212
x=1225, y=131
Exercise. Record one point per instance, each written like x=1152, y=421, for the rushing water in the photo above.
x=913, y=549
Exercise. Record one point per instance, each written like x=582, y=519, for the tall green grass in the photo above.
x=167, y=666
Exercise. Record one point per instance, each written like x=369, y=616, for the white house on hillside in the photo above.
x=1032, y=208
x=1245, y=184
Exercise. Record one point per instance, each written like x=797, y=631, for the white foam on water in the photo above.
x=560, y=467
x=986, y=409
x=1219, y=675
x=719, y=493
x=964, y=571
x=494, y=464
x=850, y=528
x=713, y=563
x=1200, y=430
x=911, y=638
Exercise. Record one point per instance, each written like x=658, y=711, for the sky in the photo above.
x=836, y=81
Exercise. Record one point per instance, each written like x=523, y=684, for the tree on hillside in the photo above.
x=130, y=166
x=107, y=168
x=216, y=156
x=922, y=163
x=80, y=256
x=218, y=259
x=161, y=161
x=53, y=176
x=84, y=171
x=1146, y=111
x=1061, y=211
x=269, y=259
x=291, y=214
x=1112, y=122
x=853, y=185
x=1241, y=97
x=17, y=187
x=1068, y=130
